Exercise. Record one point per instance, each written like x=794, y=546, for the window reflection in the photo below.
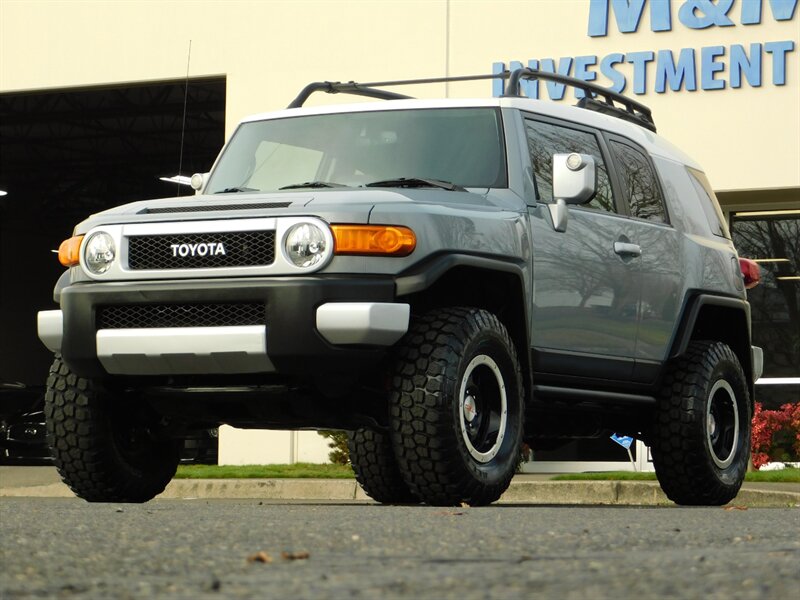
x=775, y=303
x=639, y=182
x=460, y=145
x=709, y=203
x=545, y=140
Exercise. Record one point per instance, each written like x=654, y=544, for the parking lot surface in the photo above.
x=235, y=548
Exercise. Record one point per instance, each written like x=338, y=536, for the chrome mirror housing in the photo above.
x=574, y=178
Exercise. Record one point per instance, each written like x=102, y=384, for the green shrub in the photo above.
x=339, y=454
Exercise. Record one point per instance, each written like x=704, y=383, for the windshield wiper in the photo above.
x=415, y=182
x=312, y=184
x=232, y=190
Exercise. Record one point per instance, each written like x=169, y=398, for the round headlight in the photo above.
x=99, y=252
x=306, y=245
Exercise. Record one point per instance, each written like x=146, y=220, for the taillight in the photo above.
x=751, y=272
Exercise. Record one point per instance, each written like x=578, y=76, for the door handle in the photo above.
x=627, y=249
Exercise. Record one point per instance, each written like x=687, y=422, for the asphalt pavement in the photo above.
x=16, y=481
x=63, y=547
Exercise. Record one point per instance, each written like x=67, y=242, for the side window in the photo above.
x=708, y=200
x=639, y=183
x=545, y=140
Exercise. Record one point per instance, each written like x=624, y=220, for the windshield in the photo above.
x=462, y=146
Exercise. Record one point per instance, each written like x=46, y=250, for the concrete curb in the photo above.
x=52, y=490
x=610, y=493
x=266, y=489
x=627, y=493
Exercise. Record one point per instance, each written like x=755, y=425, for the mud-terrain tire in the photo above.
x=375, y=466
x=105, y=449
x=701, y=435
x=456, y=407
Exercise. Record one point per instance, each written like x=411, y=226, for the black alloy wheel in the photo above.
x=456, y=407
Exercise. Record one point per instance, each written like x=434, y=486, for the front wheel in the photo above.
x=375, y=466
x=456, y=407
x=701, y=435
x=105, y=449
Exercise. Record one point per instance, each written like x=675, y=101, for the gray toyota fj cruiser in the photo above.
x=444, y=279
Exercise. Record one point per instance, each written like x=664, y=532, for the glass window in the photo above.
x=545, y=140
x=639, y=183
x=774, y=243
x=464, y=146
x=286, y=163
x=709, y=202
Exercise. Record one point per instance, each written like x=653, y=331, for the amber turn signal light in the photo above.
x=69, y=251
x=384, y=240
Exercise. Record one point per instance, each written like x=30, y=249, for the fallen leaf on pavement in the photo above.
x=294, y=555
x=261, y=557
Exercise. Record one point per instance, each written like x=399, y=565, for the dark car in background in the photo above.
x=23, y=440
x=22, y=429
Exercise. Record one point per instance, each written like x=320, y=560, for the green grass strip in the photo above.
x=327, y=471
x=606, y=476
x=295, y=471
x=789, y=475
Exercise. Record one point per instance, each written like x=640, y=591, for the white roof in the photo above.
x=650, y=141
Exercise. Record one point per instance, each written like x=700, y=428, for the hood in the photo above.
x=343, y=205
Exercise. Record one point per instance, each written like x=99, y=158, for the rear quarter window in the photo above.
x=708, y=200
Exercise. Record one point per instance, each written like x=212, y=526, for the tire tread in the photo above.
x=424, y=437
x=679, y=442
x=80, y=440
x=375, y=466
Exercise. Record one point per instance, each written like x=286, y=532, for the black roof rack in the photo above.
x=351, y=87
x=631, y=110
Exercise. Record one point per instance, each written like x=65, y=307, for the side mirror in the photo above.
x=574, y=182
x=574, y=177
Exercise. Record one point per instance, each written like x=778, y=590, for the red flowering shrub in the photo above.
x=776, y=434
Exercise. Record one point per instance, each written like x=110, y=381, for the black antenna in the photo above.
x=183, y=124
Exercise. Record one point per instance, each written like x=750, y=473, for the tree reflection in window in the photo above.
x=639, y=182
x=545, y=140
x=775, y=302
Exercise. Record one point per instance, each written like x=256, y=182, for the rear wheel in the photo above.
x=701, y=437
x=105, y=448
x=375, y=466
x=456, y=407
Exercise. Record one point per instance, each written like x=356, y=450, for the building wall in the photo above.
x=747, y=138
x=261, y=447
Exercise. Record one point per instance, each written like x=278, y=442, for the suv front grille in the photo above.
x=201, y=250
x=134, y=316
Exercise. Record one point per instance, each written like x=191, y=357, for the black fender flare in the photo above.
x=690, y=313
x=427, y=272
x=423, y=275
